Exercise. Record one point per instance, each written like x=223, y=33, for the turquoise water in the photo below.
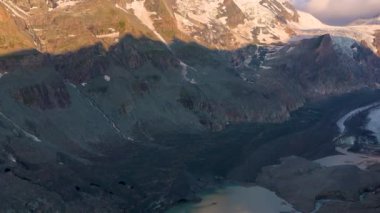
x=237, y=199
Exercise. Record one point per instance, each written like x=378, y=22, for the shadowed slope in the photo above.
x=97, y=128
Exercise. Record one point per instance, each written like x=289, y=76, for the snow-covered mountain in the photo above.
x=236, y=23
x=229, y=24
x=223, y=24
x=309, y=26
x=368, y=21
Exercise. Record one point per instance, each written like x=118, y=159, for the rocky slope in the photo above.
x=12, y=36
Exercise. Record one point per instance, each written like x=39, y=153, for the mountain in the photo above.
x=218, y=23
x=118, y=105
x=368, y=21
x=232, y=24
x=59, y=26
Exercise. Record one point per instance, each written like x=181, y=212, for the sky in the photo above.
x=339, y=12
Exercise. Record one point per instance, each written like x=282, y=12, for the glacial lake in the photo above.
x=237, y=199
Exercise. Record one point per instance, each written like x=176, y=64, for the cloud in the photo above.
x=339, y=11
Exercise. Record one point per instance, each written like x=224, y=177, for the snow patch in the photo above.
x=307, y=21
x=138, y=9
x=109, y=35
x=290, y=49
x=265, y=67
x=184, y=72
x=107, y=78
x=3, y=74
x=67, y=3
x=12, y=158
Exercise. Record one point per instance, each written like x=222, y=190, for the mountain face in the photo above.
x=11, y=37
x=89, y=89
x=231, y=24
x=66, y=25
x=224, y=24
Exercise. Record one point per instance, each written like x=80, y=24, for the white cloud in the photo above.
x=339, y=11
